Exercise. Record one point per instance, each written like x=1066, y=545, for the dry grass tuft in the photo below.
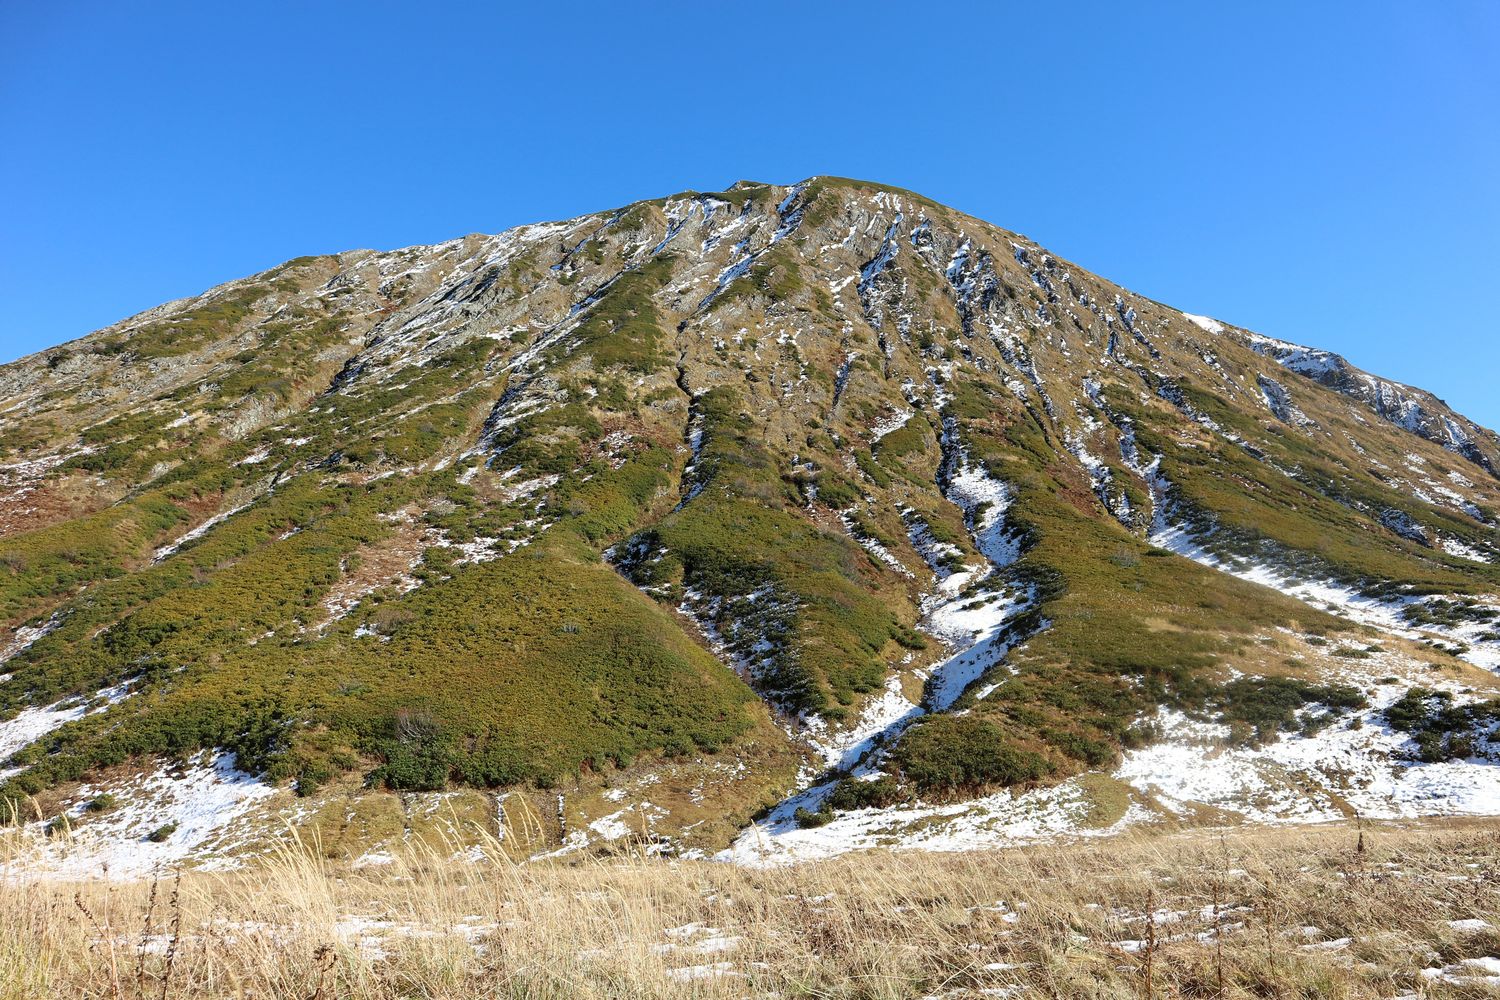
x=1241, y=913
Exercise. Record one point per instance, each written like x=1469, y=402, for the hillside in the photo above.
x=776, y=521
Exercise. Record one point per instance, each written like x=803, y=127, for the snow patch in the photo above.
x=32, y=724
x=1349, y=766
x=198, y=532
x=160, y=820
x=1204, y=323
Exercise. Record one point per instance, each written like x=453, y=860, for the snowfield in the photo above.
x=156, y=822
x=1355, y=766
x=999, y=820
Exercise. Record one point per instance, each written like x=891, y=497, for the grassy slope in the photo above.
x=524, y=669
x=545, y=662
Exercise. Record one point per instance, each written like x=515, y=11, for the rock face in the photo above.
x=825, y=500
x=1419, y=412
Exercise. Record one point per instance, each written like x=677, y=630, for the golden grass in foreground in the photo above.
x=1303, y=913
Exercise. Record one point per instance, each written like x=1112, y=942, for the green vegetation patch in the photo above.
x=37, y=567
x=623, y=328
x=743, y=539
x=1259, y=709
x=950, y=753
x=189, y=330
x=1441, y=729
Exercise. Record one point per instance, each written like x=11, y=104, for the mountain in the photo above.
x=776, y=521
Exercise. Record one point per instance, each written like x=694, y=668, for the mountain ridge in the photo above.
x=1338, y=361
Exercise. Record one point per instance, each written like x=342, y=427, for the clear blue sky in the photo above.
x=1327, y=173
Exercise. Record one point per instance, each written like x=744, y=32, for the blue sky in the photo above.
x=1328, y=173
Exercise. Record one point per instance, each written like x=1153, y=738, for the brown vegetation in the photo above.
x=1384, y=911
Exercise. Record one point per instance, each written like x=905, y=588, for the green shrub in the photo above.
x=1440, y=729
x=964, y=753
x=1257, y=709
x=161, y=833
x=418, y=757
x=807, y=818
x=852, y=794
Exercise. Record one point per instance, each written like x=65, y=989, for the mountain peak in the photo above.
x=827, y=505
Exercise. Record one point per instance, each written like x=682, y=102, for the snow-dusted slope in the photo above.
x=821, y=502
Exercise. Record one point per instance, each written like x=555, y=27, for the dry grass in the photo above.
x=1064, y=921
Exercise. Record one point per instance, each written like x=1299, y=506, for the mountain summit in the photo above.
x=776, y=522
